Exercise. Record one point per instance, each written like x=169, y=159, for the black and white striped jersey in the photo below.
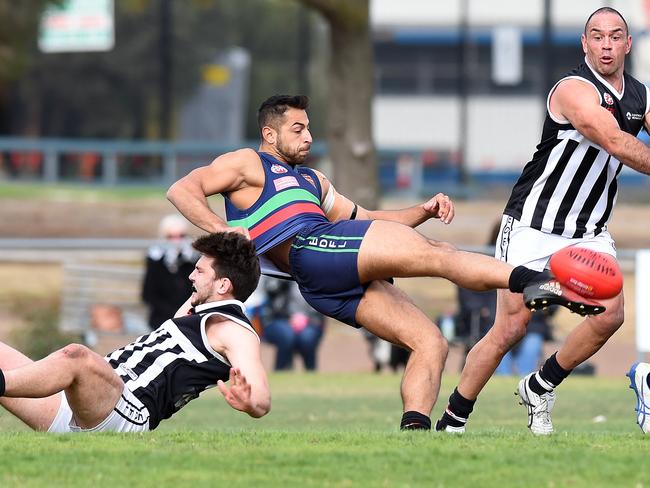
x=570, y=186
x=175, y=363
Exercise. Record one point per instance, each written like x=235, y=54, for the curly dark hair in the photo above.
x=273, y=108
x=234, y=258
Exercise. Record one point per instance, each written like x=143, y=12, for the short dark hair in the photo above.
x=273, y=108
x=234, y=258
x=608, y=10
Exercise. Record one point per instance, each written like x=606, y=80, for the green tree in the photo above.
x=19, y=23
x=349, y=100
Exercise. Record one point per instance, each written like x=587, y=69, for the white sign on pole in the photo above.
x=507, y=61
x=642, y=275
x=77, y=26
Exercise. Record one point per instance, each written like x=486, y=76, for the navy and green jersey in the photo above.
x=290, y=199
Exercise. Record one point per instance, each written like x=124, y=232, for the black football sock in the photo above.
x=2, y=383
x=549, y=376
x=457, y=411
x=521, y=277
x=413, y=420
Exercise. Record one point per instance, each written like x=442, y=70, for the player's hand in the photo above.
x=238, y=396
x=240, y=230
x=440, y=207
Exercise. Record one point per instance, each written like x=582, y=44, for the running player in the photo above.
x=565, y=197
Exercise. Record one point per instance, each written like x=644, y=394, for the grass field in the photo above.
x=341, y=430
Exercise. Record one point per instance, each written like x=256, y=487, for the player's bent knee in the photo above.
x=75, y=351
x=434, y=345
x=445, y=246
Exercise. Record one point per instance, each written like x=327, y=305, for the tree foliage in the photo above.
x=351, y=89
x=116, y=93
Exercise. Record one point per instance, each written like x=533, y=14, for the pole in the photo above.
x=462, y=93
x=166, y=68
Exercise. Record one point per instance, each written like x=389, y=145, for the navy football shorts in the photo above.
x=323, y=260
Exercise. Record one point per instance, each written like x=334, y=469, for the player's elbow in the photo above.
x=261, y=408
x=173, y=191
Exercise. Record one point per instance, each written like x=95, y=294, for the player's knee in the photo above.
x=608, y=322
x=506, y=337
x=432, y=344
x=77, y=353
x=444, y=246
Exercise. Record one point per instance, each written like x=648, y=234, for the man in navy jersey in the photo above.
x=342, y=255
x=564, y=197
x=137, y=386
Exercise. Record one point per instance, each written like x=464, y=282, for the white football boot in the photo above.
x=539, y=407
x=638, y=375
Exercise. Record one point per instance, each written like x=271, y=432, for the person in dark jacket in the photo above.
x=168, y=264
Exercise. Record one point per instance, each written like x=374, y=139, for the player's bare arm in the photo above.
x=578, y=102
x=230, y=172
x=338, y=207
x=248, y=388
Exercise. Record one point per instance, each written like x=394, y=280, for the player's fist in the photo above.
x=440, y=207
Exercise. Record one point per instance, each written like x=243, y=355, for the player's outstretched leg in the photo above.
x=408, y=253
x=639, y=375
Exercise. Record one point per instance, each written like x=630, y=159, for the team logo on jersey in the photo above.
x=631, y=116
x=285, y=182
x=608, y=99
x=277, y=169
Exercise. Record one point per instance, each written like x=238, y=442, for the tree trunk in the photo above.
x=351, y=89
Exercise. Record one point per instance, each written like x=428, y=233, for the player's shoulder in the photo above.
x=570, y=87
x=237, y=157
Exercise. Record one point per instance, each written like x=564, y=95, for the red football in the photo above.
x=591, y=274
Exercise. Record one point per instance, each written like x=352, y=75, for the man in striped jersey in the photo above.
x=342, y=255
x=565, y=197
x=139, y=385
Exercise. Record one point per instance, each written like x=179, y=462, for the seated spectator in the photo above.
x=290, y=324
x=169, y=263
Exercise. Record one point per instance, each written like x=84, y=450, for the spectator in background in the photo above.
x=168, y=265
x=290, y=324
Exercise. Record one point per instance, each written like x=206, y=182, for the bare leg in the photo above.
x=388, y=313
x=90, y=384
x=390, y=249
x=509, y=327
x=38, y=413
x=591, y=334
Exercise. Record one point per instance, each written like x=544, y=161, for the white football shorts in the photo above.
x=129, y=415
x=519, y=244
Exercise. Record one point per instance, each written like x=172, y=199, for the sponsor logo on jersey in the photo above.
x=285, y=182
x=129, y=372
x=326, y=243
x=631, y=116
x=309, y=179
x=278, y=169
x=608, y=99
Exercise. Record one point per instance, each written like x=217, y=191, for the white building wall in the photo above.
x=433, y=122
